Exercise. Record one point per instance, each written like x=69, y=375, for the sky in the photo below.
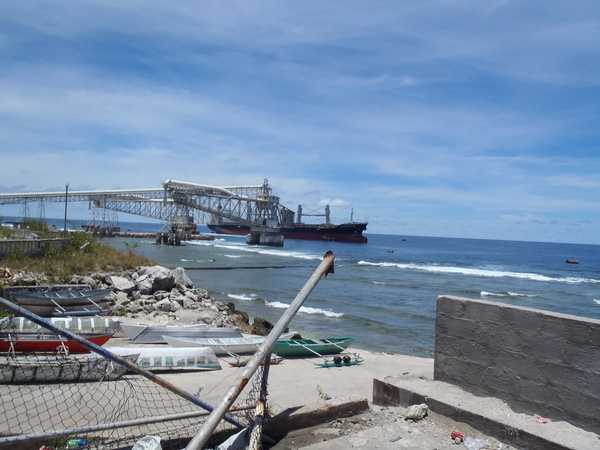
x=446, y=118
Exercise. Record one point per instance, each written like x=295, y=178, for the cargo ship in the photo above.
x=344, y=232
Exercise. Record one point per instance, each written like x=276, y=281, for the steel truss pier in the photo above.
x=255, y=206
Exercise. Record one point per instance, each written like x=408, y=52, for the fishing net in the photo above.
x=112, y=412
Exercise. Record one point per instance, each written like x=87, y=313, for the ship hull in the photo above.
x=349, y=232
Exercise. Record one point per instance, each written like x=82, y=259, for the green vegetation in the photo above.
x=84, y=254
x=37, y=226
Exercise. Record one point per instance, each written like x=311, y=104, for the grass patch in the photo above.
x=84, y=254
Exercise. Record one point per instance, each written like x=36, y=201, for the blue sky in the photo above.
x=452, y=118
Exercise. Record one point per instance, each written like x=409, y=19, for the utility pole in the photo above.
x=66, y=204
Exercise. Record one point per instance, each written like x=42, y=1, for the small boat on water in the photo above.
x=168, y=358
x=98, y=325
x=45, y=342
x=153, y=334
x=60, y=368
x=221, y=346
x=310, y=347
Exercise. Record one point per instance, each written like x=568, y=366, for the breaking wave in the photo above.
x=234, y=256
x=378, y=282
x=505, y=294
x=259, y=250
x=479, y=272
x=306, y=309
x=245, y=297
x=597, y=301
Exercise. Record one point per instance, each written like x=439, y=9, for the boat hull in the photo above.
x=40, y=369
x=291, y=348
x=48, y=344
x=221, y=346
x=347, y=232
x=172, y=359
x=51, y=310
x=144, y=334
x=62, y=298
x=78, y=325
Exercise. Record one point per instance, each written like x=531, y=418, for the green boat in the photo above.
x=290, y=348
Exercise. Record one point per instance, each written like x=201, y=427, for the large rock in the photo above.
x=81, y=279
x=207, y=316
x=122, y=298
x=261, y=327
x=162, y=278
x=159, y=295
x=166, y=305
x=181, y=278
x=188, y=304
x=28, y=279
x=121, y=283
x=190, y=295
x=144, y=284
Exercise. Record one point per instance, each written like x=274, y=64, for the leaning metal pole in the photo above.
x=200, y=440
x=112, y=357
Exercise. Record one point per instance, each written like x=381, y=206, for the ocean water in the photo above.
x=383, y=293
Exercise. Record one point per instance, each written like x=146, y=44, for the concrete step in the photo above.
x=491, y=416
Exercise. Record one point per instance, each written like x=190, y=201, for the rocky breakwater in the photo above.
x=156, y=294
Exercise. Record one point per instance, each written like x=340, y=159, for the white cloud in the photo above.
x=399, y=109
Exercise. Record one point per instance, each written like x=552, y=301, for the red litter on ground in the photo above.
x=457, y=436
x=541, y=419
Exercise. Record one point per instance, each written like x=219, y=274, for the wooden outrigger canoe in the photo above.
x=221, y=346
x=296, y=348
x=171, y=359
x=66, y=297
x=64, y=302
x=153, y=334
x=60, y=368
x=78, y=325
x=45, y=342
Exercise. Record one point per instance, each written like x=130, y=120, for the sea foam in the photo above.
x=245, y=297
x=259, y=250
x=306, y=309
x=597, y=301
x=479, y=272
x=505, y=294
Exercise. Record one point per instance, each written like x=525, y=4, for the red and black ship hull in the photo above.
x=346, y=232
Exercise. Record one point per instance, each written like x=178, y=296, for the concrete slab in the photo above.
x=385, y=428
x=490, y=415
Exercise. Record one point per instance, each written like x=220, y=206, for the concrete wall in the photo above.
x=540, y=362
x=30, y=246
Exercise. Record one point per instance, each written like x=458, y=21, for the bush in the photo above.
x=83, y=254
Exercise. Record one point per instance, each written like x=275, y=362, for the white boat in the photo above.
x=153, y=334
x=221, y=346
x=58, y=368
x=168, y=358
x=97, y=324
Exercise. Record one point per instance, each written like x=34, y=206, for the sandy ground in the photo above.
x=385, y=428
x=299, y=383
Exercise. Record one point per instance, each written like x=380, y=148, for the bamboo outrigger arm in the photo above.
x=199, y=441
